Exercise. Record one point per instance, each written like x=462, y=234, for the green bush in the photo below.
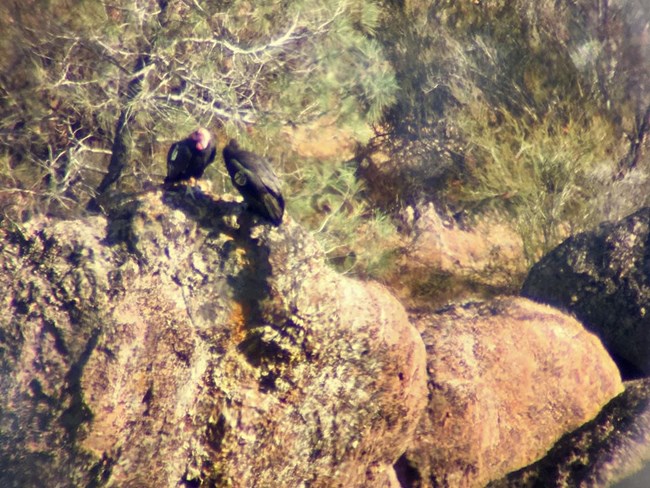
x=328, y=199
x=540, y=171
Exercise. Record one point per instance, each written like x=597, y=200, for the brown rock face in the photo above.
x=490, y=252
x=507, y=378
x=610, y=448
x=445, y=261
x=167, y=347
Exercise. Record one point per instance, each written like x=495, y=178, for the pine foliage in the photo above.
x=86, y=79
x=330, y=200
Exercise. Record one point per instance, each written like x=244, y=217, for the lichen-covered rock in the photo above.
x=611, y=447
x=603, y=278
x=507, y=378
x=175, y=343
x=489, y=251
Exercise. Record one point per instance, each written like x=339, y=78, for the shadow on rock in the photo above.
x=248, y=273
x=202, y=207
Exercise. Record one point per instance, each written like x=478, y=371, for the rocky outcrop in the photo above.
x=507, y=378
x=447, y=261
x=322, y=139
x=611, y=447
x=177, y=344
x=602, y=277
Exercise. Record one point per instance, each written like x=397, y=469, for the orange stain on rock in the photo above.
x=238, y=319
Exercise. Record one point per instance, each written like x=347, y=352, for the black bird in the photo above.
x=188, y=158
x=253, y=177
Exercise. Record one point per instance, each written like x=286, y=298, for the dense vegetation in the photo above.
x=536, y=109
x=532, y=108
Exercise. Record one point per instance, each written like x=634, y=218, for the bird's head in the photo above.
x=201, y=137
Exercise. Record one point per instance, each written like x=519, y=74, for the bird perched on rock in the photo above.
x=188, y=158
x=252, y=175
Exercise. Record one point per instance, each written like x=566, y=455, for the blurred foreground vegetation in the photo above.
x=536, y=109
x=539, y=110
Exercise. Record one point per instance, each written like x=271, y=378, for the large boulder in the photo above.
x=176, y=343
x=507, y=378
x=611, y=448
x=603, y=277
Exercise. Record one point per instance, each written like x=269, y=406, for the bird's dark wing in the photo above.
x=213, y=153
x=207, y=157
x=274, y=206
x=257, y=183
x=262, y=168
x=178, y=159
x=199, y=161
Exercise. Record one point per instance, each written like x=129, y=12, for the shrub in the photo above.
x=539, y=170
x=328, y=199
